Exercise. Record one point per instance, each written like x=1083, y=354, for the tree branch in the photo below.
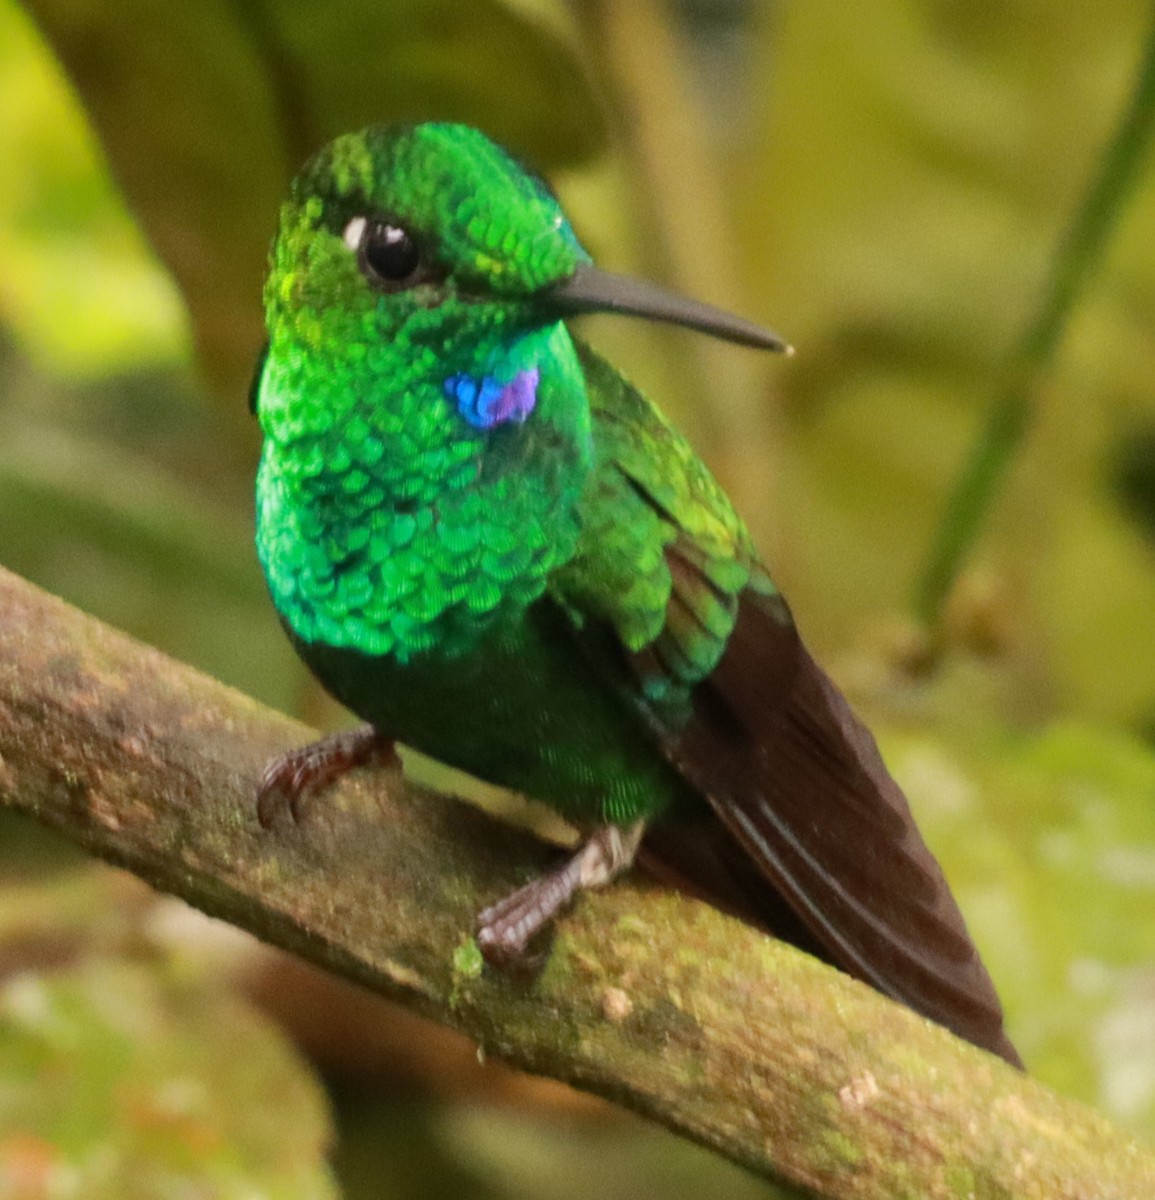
x=648, y=998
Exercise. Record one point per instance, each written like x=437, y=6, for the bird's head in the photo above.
x=426, y=254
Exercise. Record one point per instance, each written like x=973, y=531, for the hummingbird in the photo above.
x=486, y=543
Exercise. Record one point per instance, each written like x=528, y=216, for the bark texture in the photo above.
x=648, y=998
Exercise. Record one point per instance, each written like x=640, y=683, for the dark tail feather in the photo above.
x=697, y=854
x=833, y=859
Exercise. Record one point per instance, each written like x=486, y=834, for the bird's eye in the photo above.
x=389, y=257
x=390, y=252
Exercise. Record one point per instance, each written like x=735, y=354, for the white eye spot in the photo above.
x=353, y=232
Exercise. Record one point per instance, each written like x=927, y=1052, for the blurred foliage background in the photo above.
x=889, y=185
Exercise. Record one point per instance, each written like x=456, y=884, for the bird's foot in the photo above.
x=290, y=777
x=505, y=929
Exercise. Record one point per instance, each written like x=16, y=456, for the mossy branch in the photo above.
x=648, y=998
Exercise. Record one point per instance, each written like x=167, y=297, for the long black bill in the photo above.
x=589, y=290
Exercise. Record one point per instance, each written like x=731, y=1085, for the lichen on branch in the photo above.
x=648, y=998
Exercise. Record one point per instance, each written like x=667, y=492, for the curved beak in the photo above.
x=589, y=290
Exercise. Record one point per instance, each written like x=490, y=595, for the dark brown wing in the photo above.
x=797, y=780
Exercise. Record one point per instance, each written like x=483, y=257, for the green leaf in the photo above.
x=905, y=185
x=1047, y=839
x=80, y=289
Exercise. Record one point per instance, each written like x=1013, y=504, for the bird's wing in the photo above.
x=712, y=661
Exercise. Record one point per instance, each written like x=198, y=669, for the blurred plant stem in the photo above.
x=679, y=190
x=1076, y=259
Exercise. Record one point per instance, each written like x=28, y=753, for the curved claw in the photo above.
x=289, y=778
x=505, y=929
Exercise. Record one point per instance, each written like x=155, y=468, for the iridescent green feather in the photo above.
x=650, y=497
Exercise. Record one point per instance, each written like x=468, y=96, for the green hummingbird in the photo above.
x=490, y=546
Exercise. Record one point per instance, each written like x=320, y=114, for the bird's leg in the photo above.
x=505, y=928
x=291, y=776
